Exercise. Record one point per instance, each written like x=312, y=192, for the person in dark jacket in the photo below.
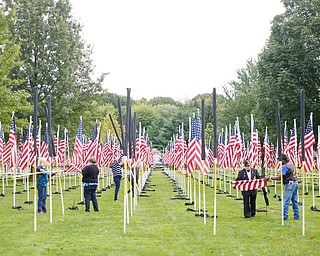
x=90, y=182
x=250, y=196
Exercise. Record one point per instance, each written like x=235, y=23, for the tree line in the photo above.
x=41, y=45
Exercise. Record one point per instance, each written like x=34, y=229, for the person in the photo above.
x=250, y=196
x=291, y=186
x=90, y=182
x=116, y=168
x=42, y=182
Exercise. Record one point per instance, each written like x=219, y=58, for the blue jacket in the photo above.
x=42, y=178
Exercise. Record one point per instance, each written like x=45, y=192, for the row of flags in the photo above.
x=20, y=155
x=105, y=153
x=232, y=149
x=178, y=153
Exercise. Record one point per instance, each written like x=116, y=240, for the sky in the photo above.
x=173, y=48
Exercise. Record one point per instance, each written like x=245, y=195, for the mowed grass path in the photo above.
x=159, y=226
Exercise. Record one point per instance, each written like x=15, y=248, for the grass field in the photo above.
x=159, y=226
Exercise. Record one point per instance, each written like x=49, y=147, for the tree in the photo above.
x=163, y=100
x=290, y=62
x=241, y=98
x=9, y=52
x=54, y=58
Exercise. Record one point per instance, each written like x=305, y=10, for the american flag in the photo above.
x=197, y=147
x=309, y=141
x=245, y=185
x=292, y=147
x=107, y=154
x=238, y=146
x=141, y=148
x=44, y=151
x=253, y=149
x=1, y=144
x=10, y=150
x=62, y=147
x=77, y=157
x=179, y=150
x=230, y=149
x=191, y=147
x=27, y=154
x=165, y=157
x=267, y=151
x=92, y=145
x=222, y=150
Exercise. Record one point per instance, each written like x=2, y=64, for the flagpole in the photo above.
x=203, y=158
x=59, y=176
x=28, y=164
x=189, y=171
x=35, y=130
x=214, y=120
x=14, y=169
x=313, y=207
x=280, y=156
x=302, y=116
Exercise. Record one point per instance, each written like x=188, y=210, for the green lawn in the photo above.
x=159, y=226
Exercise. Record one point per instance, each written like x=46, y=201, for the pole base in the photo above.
x=18, y=192
x=144, y=195
x=28, y=202
x=202, y=215
x=81, y=202
x=73, y=208
x=2, y=195
x=314, y=208
x=18, y=208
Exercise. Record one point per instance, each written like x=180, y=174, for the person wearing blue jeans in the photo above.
x=116, y=168
x=42, y=182
x=90, y=182
x=291, y=187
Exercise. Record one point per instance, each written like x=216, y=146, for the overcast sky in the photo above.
x=175, y=48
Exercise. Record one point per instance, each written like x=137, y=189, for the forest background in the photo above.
x=41, y=45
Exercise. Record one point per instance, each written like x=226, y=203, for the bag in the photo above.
x=289, y=175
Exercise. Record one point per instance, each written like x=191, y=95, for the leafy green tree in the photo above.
x=241, y=98
x=9, y=52
x=163, y=100
x=54, y=58
x=290, y=62
x=145, y=114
